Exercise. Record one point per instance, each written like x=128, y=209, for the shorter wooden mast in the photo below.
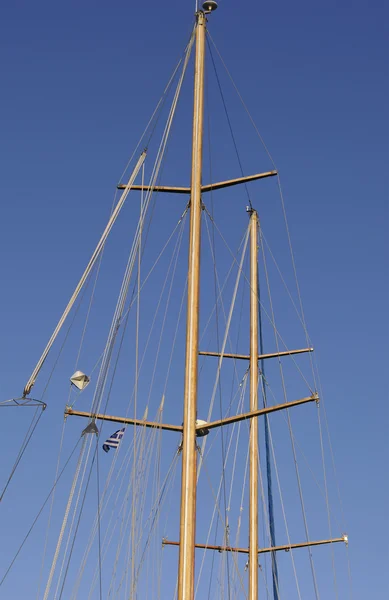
x=253, y=448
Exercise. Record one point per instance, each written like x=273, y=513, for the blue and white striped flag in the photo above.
x=114, y=440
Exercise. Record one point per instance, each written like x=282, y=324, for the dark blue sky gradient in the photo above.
x=79, y=82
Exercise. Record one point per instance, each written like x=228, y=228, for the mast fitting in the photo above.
x=209, y=6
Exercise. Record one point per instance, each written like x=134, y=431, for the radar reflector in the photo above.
x=80, y=380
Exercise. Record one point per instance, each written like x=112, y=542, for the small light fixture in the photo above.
x=201, y=429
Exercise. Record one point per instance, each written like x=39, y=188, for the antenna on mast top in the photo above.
x=209, y=6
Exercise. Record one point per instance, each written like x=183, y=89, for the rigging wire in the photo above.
x=217, y=507
x=158, y=109
x=242, y=101
x=136, y=393
x=226, y=533
x=33, y=426
x=322, y=404
x=290, y=428
x=65, y=518
x=126, y=280
x=220, y=361
x=80, y=486
x=38, y=514
x=229, y=122
x=127, y=314
x=267, y=452
x=302, y=317
x=51, y=510
x=79, y=518
x=27, y=438
x=99, y=517
x=327, y=502
x=242, y=390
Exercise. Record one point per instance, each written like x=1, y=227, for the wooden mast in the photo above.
x=253, y=450
x=186, y=570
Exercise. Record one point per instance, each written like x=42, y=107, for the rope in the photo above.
x=267, y=452
x=79, y=516
x=51, y=509
x=99, y=518
x=85, y=275
x=72, y=522
x=224, y=346
x=239, y=407
x=126, y=280
x=93, y=531
x=327, y=502
x=243, y=104
x=290, y=431
x=65, y=519
x=23, y=448
x=283, y=511
x=229, y=122
x=157, y=109
x=217, y=508
x=38, y=515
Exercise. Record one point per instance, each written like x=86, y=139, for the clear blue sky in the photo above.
x=79, y=81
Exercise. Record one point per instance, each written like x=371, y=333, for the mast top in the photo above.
x=209, y=6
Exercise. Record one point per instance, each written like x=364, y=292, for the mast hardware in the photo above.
x=79, y=380
x=24, y=401
x=91, y=428
x=285, y=548
x=201, y=428
x=204, y=188
x=209, y=6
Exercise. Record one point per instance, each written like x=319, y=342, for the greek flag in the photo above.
x=113, y=441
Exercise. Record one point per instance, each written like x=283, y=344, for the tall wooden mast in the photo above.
x=186, y=570
x=253, y=451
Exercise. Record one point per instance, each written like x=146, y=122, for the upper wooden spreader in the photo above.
x=210, y=187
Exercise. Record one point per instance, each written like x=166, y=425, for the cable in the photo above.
x=23, y=447
x=38, y=515
x=229, y=123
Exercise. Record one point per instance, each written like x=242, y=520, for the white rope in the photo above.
x=217, y=507
x=84, y=276
x=80, y=487
x=239, y=408
x=220, y=362
x=290, y=426
x=327, y=501
x=65, y=518
x=131, y=261
x=283, y=510
x=51, y=510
